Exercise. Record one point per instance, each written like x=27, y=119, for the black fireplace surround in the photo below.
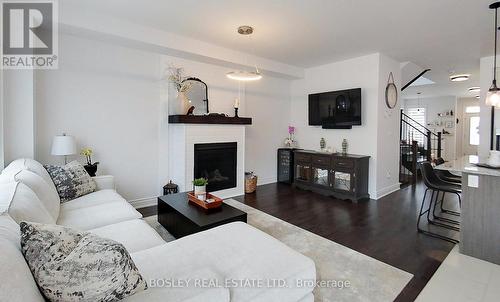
x=217, y=163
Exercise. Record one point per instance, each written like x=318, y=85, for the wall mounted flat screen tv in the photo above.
x=335, y=109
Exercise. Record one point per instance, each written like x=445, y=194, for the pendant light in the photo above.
x=418, y=101
x=493, y=96
x=244, y=75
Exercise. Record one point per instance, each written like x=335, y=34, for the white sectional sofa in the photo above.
x=207, y=266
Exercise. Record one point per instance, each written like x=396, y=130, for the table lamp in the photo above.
x=63, y=145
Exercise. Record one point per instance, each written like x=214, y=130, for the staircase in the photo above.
x=417, y=144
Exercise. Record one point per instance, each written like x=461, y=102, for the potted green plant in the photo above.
x=200, y=186
x=90, y=167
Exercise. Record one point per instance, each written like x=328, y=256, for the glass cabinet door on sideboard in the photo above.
x=303, y=172
x=341, y=181
x=320, y=176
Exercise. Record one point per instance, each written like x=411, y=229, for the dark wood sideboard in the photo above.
x=332, y=174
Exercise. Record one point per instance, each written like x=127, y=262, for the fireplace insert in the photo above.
x=217, y=163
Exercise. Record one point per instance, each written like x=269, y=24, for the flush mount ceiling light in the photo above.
x=474, y=89
x=459, y=77
x=245, y=75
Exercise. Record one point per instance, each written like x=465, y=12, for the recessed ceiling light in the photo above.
x=459, y=77
x=474, y=89
x=477, y=96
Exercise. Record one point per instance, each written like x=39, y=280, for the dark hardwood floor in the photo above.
x=384, y=229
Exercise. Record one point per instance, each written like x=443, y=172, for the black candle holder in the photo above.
x=236, y=112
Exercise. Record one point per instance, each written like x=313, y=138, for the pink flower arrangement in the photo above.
x=291, y=130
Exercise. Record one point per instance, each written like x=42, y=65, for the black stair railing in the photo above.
x=417, y=143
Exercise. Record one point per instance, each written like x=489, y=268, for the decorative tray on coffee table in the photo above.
x=204, y=204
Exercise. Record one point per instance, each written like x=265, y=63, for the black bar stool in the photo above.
x=448, y=177
x=436, y=185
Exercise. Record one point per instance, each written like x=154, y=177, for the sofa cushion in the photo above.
x=159, y=291
x=46, y=193
x=21, y=203
x=16, y=281
x=92, y=199
x=236, y=251
x=135, y=235
x=14, y=167
x=98, y=216
x=71, y=180
x=78, y=266
x=31, y=165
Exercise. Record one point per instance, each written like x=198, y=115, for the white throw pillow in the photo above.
x=16, y=280
x=71, y=180
x=45, y=192
x=21, y=203
x=78, y=266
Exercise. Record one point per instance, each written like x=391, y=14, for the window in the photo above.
x=472, y=109
x=474, y=131
x=418, y=115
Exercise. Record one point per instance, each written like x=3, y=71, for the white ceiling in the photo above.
x=442, y=35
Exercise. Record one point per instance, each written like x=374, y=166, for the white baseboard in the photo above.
x=387, y=190
x=143, y=202
x=152, y=201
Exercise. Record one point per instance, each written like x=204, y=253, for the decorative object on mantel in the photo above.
x=245, y=75
x=197, y=95
x=250, y=182
x=90, y=167
x=344, y=147
x=391, y=92
x=63, y=145
x=322, y=144
x=181, y=104
x=200, y=188
x=290, y=141
x=190, y=111
x=236, y=106
x=170, y=188
x=493, y=96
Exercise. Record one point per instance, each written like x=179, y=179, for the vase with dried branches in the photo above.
x=177, y=77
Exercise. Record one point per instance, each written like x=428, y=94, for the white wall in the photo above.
x=387, y=130
x=18, y=114
x=114, y=99
x=108, y=98
x=433, y=106
x=365, y=73
x=268, y=103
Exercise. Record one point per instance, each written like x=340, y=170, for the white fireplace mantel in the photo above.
x=181, y=141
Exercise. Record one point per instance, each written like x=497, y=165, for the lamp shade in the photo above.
x=63, y=145
x=493, y=98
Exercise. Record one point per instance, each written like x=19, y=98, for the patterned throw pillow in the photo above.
x=78, y=266
x=71, y=180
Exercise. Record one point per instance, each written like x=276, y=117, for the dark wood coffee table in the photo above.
x=181, y=218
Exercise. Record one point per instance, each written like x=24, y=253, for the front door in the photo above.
x=471, y=133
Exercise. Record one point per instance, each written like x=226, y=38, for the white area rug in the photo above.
x=370, y=279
